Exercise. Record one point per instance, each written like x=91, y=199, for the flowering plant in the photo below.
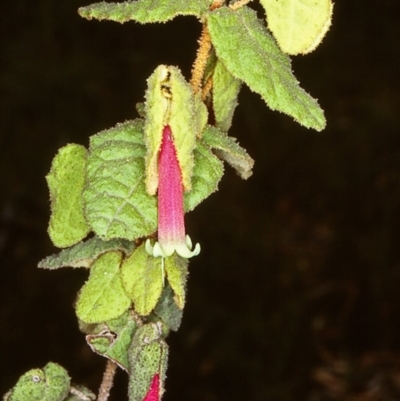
x=118, y=207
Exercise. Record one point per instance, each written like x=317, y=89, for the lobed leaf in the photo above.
x=66, y=179
x=142, y=276
x=224, y=95
x=226, y=148
x=85, y=253
x=116, y=202
x=298, y=25
x=144, y=11
x=103, y=297
x=250, y=54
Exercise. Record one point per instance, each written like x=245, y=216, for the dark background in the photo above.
x=295, y=295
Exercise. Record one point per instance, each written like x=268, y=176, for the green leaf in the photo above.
x=229, y=150
x=113, y=338
x=85, y=253
x=167, y=310
x=176, y=269
x=66, y=180
x=48, y=384
x=208, y=171
x=170, y=101
x=224, y=94
x=148, y=356
x=103, y=297
x=250, y=53
x=142, y=276
x=298, y=25
x=117, y=204
x=144, y=11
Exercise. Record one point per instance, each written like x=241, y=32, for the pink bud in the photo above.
x=154, y=391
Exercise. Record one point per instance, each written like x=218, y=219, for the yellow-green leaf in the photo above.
x=176, y=269
x=142, y=276
x=66, y=181
x=250, y=54
x=103, y=297
x=170, y=101
x=298, y=25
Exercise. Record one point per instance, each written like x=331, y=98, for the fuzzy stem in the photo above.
x=200, y=63
x=239, y=4
x=108, y=381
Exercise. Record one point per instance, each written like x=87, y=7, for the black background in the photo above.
x=295, y=295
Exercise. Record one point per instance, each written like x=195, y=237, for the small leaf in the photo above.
x=208, y=171
x=144, y=11
x=48, y=384
x=112, y=339
x=66, y=180
x=229, y=150
x=117, y=204
x=85, y=253
x=148, y=356
x=250, y=53
x=103, y=297
x=176, y=269
x=224, y=94
x=298, y=25
x=170, y=101
x=167, y=309
x=142, y=276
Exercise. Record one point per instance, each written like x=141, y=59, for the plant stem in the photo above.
x=200, y=63
x=203, y=52
x=108, y=381
x=238, y=4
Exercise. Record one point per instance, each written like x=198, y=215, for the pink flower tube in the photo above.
x=171, y=225
x=154, y=392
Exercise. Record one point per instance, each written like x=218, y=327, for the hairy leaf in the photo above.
x=66, y=180
x=176, y=269
x=85, y=253
x=208, y=171
x=250, y=53
x=170, y=101
x=148, y=356
x=117, y=204
x=113, y=338
x=167, y=310
x=224, y=94
x=298, y=25
x=51, y=383
x=103, y=297
x=144, y=11
x=229, y=150
x=142, y=276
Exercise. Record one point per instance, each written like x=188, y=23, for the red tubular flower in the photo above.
x=171, y=226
